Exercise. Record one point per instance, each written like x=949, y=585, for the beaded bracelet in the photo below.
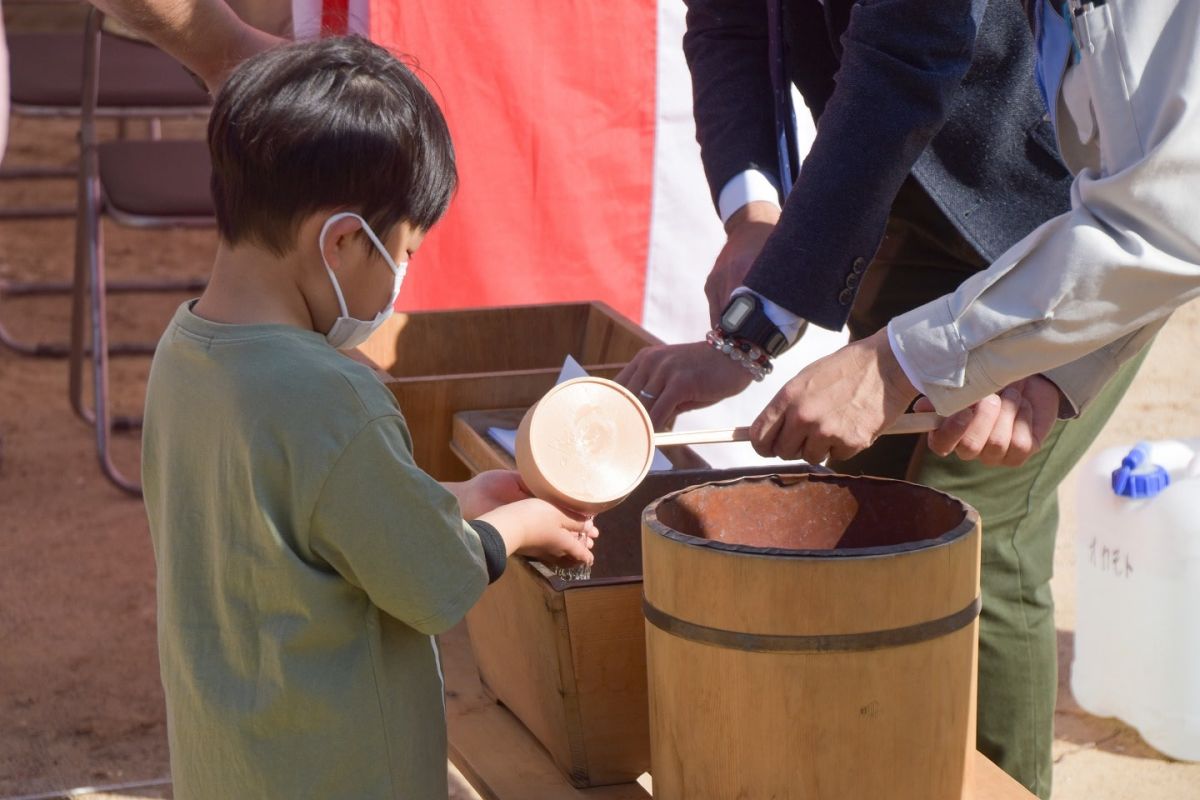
x=753, y=358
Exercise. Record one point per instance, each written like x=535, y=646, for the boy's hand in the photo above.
x=488, y=491
x=539, y=530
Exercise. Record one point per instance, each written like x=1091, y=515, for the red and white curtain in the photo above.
x=580, y=176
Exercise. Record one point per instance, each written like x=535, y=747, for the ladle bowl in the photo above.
x=586, y=445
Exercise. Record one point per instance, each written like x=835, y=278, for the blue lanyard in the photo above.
x=781, y=88
x=1057, y=48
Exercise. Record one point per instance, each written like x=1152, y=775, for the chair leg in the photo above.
x=87, y=231
x=89, y=312
x=104, y=422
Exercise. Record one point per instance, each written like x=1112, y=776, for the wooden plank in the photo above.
x=608, y=655
x=503, y=761
x=470, y=440
x=496, y=754
x=993, y=783
x=621, y=337
x=518, y=633
x=502, y=339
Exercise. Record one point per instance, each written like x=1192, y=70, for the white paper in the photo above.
x=571, y=369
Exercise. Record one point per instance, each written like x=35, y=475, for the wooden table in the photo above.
x=503, y=761
x=493, y=750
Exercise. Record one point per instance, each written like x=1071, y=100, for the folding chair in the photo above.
x=137, y=81
x=147, y=184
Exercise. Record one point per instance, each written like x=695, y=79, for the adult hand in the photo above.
x=249, y=41
x=206, y=36
x=747, y=230
x=836, y=406
x=671, y=379
x=487, y=491
x=1002, y=429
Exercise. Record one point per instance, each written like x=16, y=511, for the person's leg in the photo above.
x=922, y=258
x=1018, y=665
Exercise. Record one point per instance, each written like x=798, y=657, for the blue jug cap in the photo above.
x=1137, y=478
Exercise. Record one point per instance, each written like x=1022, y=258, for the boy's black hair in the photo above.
x=337, y=122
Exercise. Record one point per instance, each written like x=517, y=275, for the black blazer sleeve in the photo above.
x=902, y=61
x=726, y=49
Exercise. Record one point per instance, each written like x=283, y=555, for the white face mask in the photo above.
x=348, y=332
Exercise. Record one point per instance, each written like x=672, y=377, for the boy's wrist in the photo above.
x=495, y=551
x=508, y=525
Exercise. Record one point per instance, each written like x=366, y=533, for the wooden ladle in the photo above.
x=589, y=442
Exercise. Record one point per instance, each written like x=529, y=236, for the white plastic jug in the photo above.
x=1137, y=635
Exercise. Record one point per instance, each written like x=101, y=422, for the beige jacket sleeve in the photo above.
x=1111, y=270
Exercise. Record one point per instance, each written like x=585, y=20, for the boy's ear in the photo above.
x=337, y=236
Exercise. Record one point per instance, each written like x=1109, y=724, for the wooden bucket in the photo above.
x=811, y=636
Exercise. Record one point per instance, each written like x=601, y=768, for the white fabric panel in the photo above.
x=360, y=21
x=306, y=18
x=685, y=237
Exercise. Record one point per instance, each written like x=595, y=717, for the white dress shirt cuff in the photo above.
x=788, y=323
x=746, y=187
x=913, y=377
x=928, y=347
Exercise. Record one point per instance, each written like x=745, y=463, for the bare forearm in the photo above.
x=205, y=35
x=467, y=502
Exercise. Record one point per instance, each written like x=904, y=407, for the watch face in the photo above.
x=737, y=313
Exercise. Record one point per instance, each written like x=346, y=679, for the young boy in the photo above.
x=304, y=561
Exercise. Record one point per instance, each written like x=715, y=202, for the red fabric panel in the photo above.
x=551, y=104
x=335, y=15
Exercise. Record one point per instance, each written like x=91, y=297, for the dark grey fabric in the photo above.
x=495, y=553
x=896, y=87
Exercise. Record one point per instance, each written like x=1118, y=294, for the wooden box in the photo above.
x=443, y=362
x=569, y=658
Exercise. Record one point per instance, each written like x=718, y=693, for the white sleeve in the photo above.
x=1126, y=254
x=746, y=187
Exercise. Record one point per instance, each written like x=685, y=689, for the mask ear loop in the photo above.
x=321, y=243
x=387, y=257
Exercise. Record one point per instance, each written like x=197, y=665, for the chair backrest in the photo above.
x=138, y=79
x=137, y=183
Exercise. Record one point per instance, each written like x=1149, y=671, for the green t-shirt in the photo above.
x=304, y=562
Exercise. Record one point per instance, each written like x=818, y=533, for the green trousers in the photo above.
x=923, y=257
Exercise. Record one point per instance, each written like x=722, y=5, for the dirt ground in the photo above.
x=80, y=699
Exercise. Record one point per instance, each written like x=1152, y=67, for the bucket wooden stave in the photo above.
x=811, y=637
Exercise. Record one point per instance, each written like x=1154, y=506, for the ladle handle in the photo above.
x=920, y=422
x=714, y=436
x=917, y=422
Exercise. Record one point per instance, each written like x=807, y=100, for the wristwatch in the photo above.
x=744, y=319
